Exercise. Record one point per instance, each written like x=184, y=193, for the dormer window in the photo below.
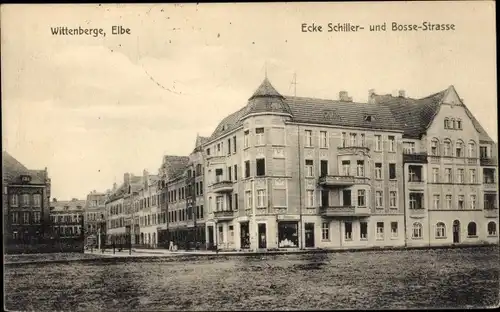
x=369, y=118
x=223, y=128
x=25, y=178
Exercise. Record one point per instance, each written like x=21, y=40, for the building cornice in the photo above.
x=342, y=127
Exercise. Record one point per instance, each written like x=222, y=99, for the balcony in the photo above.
x=225, y=186
x=417, y=213
x=344, y=211
x=336, y=180
x=216, y=159
x=488, y=161
x=224, y=215
x=416, y=184
x=353, y=150
x=418, y=158
x=491, y=212
x=489, y=186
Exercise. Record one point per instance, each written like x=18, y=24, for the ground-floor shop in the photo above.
x=183, y=237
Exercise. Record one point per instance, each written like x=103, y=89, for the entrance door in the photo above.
x=456, y=232
x=262, y=236
x=325, y=194
x=324, y=168
x=210, y=236
x=309, y=231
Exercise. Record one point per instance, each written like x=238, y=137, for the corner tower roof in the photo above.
x=266, y=100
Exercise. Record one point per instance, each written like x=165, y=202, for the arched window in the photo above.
x=472, y=229
x=459, y=124
x=417, y=230
x=440, y=230
x=492, y=228
x=459, y=149
x=435, y=147
x=453, y=124
x=447, y=148
x=446, y=123
x=472, y=149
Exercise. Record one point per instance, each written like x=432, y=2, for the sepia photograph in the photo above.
x=250, y=156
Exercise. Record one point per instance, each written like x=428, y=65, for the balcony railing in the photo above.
x=336, y=180
x=353, y=150
x=491, y=212
x=224, y=215
x=419, y=158
x=222, y=186
x=344, y=211
x=488, y=161
x=417, y=213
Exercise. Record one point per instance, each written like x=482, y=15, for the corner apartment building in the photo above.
x=450, y=170
x=94, y=216
x=26, y=197
x=295, y=172
x=67, y=217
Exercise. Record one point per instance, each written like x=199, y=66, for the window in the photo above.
x=246, y=142
x=261, y=198
x=409, y=147
x=360, y=168
x=261, y=167
x=15, y=218
x=26, y=217
x=448, y=201
x=447, y=148
x=247, y=168
x=453, y=123
x=229, y=146
x=348, y=230
x=218, y=176
x=346, y=165
x=378, y=199
x=259, y=136
x=461, y=202
x=361, y=198
x=346, y=197
x=310, y=198
x=344, y=139
x=394, y=230
x=229, y=174
x=440, y=230
x=446, y=123
x=435, y=175
x=447, y=175
x=248, y=195
x=308, y=138
x=434, y=147
x=392, y=199
x=380, y=230
x=472, y=201
x=323, y=139
x=392, y=171
x=483, y=152
x=378, y=171
x=218, y=149
x=208, y=151
x=234, y=144
x=492, y=228
x=209, y=204
x=201, y=188
x=459, y=124
x=309, y=168
x=201, y=212
x=37, y=198
x=325, y=231
x=363, y=230
x=472, y=229
x=472, y=150
x=459, y=149
x=363, y=140
x=417, y=230
x=14, y=200
x=235, y=202
x=391, y=143
x=352, y=138
x=36, y=217
x=378, y=142
x=460, y=175
x=435, y=201
x=25, y=200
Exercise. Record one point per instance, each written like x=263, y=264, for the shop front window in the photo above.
x=287, y=234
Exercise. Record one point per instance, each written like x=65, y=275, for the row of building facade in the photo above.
x=295, y=172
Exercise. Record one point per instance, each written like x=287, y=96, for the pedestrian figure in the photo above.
x=171, y=246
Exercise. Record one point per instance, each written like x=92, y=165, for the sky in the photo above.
x=92, y=108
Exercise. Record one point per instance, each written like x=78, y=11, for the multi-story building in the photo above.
x=25, y=203
x=67, y=217
x=450, y=170
x=94, y=216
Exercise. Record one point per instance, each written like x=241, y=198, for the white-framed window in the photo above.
x=447, y=175
x=378, y=143
x=25, y=200
x=459, y=124
x=37, y=199
x=14, y=200
x=392, y=140
x=447, y=148
x=472, y=229
x=346, y=166
x=352, y=138
x=472, y=176
x=360, y=168
x=416, y=230
x=261, y=198
x=461, y=202
x=379, y=199
x=472, y=150
x=492, y=228
x=248, y=196
x=15, y=217
x=259, y=136
x=409, y=147
x=246, y=139
x=446, y=123
x=361, y=198
x=435, y=175
x=325, y=231
x=435, y=201
x=348, y=230
x=378, y=171
x=393, y=199
x=380, y=231
x=434, y=147
x=309, y=139
x=309, y=168
x=448, y=201
x=36, y=217
x=472, y=201
x=460, y=175
x=459, y=149
x=344, y=139
x=26, y=217
x=394, y=229
x=323, y=139
x=363, y=230
x=363, y=140
x=310, y=198
x=440, y=230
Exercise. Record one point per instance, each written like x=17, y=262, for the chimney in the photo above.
x=371, y=94
x=344, y=96
x=126, y=178
x=114, y=187
x=402, y=93
x=145, y=175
